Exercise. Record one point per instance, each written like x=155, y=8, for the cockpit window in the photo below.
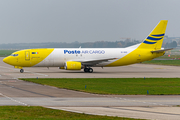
x=14, y=55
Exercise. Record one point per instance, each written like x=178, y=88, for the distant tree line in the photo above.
x=98, y=44
x=171, y=45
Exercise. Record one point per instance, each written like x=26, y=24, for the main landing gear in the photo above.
x=21, y=70
x=90, y=70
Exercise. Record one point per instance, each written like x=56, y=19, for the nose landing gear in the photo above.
x=21, y=70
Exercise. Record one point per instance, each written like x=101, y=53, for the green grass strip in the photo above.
x=117, y=86
x=4, y=53
x=40, y=113
x=164, y=62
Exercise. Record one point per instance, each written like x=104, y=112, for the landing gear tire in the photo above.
x=21, y=70
x=86, y=70
x=90, y=70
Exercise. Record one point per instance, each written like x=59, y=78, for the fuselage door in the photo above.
x=27, y=55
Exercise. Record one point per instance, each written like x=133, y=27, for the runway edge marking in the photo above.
x=14, y=100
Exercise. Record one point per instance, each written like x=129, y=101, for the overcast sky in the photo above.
x=26, y=21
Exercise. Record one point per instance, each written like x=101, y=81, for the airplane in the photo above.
x=86, y=58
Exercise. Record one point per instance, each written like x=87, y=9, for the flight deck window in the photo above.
x=14, y=55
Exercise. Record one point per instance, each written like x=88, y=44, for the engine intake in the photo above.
x=71, y=65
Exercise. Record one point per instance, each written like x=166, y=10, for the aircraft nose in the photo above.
x=6, y=60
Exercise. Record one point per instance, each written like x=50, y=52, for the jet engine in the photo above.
x=71, y=65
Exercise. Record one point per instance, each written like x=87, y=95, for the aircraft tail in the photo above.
x=155, y=38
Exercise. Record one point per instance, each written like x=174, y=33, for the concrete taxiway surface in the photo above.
x=17, y=92
x=131, y=71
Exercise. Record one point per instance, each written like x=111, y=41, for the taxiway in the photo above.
x=17, y=92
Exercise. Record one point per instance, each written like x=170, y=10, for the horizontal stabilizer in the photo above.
x=158, y=51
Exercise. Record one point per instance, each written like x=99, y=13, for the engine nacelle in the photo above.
x=71, y=65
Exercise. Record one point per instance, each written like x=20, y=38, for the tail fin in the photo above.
x=155, y=38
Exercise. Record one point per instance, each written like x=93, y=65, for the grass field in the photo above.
x=171, y=57
x=4, y=53
x=117, y=86
x=40, y=113
x=164, y=62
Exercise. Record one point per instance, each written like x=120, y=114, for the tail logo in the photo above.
x=152, y=39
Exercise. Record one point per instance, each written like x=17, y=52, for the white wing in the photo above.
x=92, y=62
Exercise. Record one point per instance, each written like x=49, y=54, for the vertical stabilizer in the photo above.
x=155, y=38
